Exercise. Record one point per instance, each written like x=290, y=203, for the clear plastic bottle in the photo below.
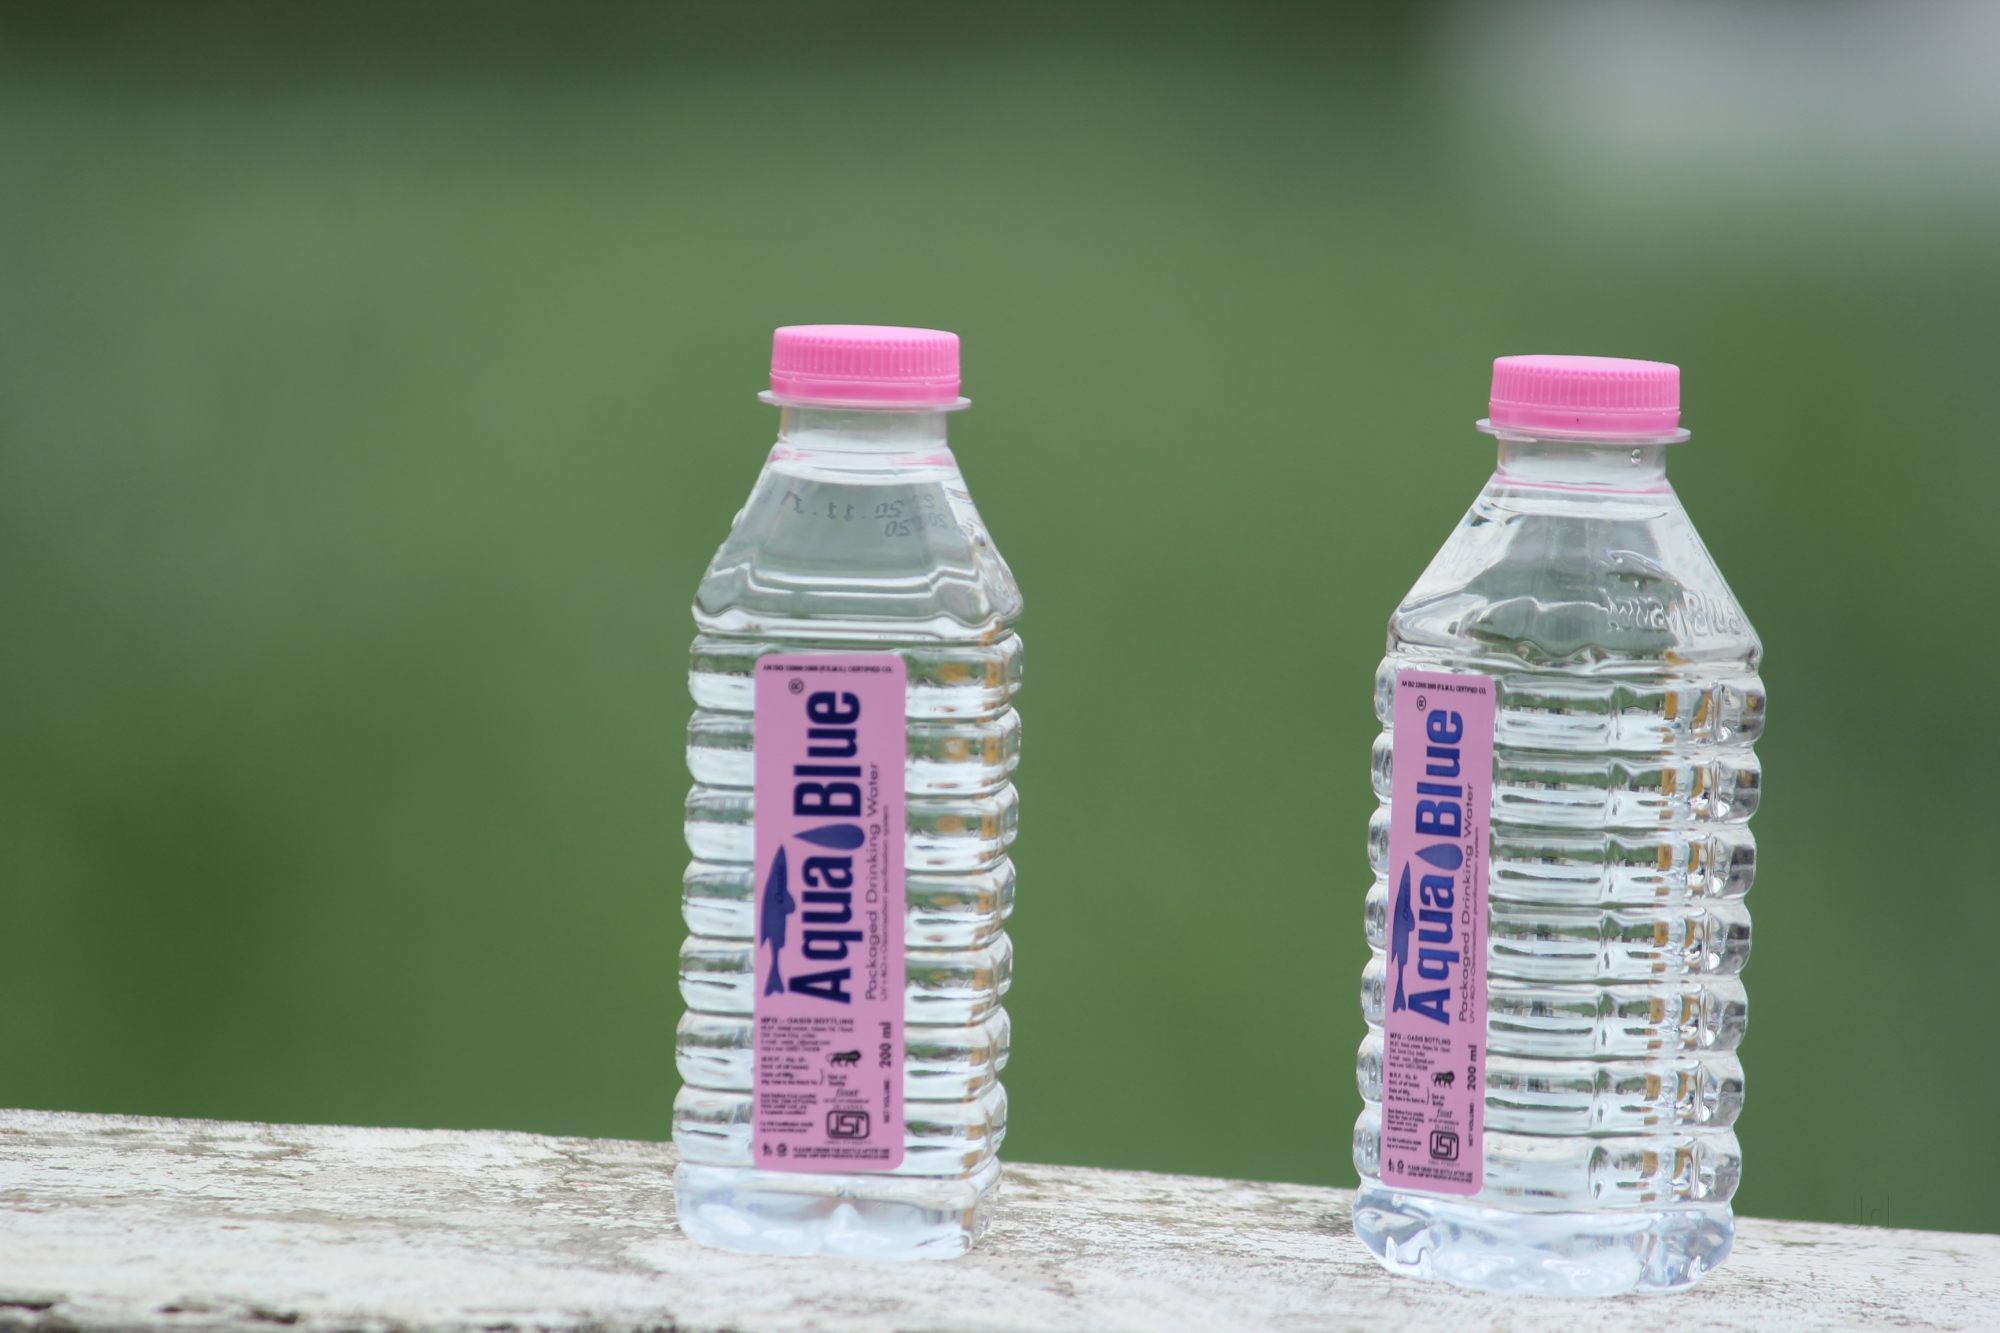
x=858, y=546
x=1585, y=1146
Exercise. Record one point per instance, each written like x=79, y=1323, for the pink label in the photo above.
x=1434, y=1012
x=828, y=966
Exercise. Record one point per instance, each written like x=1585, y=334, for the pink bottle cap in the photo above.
x=864, y=365
x=1592, y=397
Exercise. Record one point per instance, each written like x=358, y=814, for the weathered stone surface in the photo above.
x=112, y=1222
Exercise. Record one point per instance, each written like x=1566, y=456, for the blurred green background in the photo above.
x=374, y=385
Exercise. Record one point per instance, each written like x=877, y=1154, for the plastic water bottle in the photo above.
x=1557, y=923
x=851, y=748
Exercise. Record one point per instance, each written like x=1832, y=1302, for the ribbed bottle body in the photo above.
x=859, y=538
x=1627, y=705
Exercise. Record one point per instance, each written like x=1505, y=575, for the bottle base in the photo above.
x=1547, y=1254
x=848, y=1216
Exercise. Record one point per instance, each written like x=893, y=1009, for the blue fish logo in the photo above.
x=1400, y=930
x=777, y=914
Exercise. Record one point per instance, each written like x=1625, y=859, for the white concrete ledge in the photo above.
x=115, y=1222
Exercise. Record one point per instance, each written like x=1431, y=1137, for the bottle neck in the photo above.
x=1595, y=465
x=830, y=430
